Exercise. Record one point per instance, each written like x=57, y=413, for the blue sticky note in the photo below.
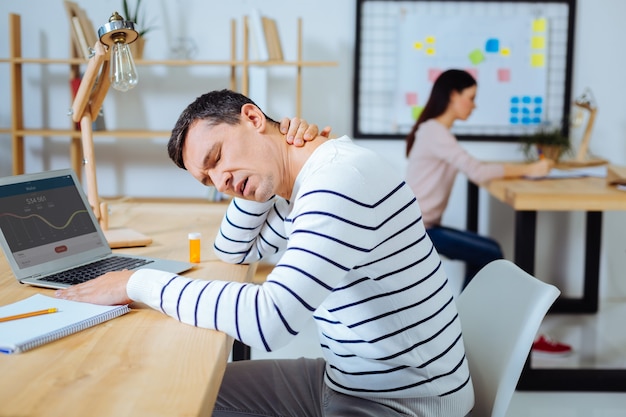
x=492, y=45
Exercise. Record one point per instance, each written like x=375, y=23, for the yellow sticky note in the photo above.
x=538, y=42
x=418, y=45
x=430, y=39
x=537, y=60
x=505, y=51
x=539, y=25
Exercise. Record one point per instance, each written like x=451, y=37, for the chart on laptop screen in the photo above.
x=45, y=220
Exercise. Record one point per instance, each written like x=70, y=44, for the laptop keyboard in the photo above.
x=95, y=269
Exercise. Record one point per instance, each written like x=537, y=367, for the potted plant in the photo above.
x=136, y=16
x=549, y=142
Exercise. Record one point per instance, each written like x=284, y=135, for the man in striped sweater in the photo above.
x=355, y=258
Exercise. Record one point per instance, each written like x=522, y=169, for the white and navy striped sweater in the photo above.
x=356, y=259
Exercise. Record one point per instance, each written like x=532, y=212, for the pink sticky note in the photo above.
x=473, y=72
x=504, y=75
x=433, y=74
x=411, y=99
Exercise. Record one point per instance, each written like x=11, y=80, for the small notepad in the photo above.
x=72, y=316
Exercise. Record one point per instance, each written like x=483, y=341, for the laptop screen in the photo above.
x=45, y=220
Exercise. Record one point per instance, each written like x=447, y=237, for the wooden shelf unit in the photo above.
x=18, y=131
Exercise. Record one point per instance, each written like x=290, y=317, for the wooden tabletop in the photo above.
x=141, y=364
x=572, y=194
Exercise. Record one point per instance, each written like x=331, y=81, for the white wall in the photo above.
x=141, y=167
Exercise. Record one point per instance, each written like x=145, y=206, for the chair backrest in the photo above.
x=501, y=310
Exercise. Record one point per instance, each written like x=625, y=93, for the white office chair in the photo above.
x=500, y=311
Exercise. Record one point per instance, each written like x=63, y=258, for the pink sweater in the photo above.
x=433, y=163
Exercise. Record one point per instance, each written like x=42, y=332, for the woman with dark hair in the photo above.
x=434, y=159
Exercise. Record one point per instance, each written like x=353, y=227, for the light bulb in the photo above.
x=123, y=71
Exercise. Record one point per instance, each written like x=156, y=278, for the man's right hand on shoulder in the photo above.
x=299, y=132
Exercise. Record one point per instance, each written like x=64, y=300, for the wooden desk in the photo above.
x=527, y=197
x=141, y=364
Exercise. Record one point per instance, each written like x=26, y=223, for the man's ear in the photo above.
x=252, y=114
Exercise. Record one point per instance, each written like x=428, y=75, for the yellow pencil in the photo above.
x=31, y=314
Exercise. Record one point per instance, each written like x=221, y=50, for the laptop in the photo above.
x=50, y=235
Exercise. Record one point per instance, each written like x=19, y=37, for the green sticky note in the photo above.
x=416, y=111
x=476, y=56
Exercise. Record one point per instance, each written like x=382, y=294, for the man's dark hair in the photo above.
x=215, y=107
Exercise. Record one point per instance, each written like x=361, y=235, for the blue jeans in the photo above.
x=473, y=249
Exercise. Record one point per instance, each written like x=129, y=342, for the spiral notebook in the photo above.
x=24, y=334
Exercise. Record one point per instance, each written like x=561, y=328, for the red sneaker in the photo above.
x=545, y=345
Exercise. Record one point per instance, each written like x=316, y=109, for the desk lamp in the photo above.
x=111, y=50
x=586, y=101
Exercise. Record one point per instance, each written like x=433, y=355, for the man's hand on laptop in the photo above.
x=108, y=289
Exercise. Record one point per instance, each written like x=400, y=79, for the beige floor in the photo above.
x=599, y=341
